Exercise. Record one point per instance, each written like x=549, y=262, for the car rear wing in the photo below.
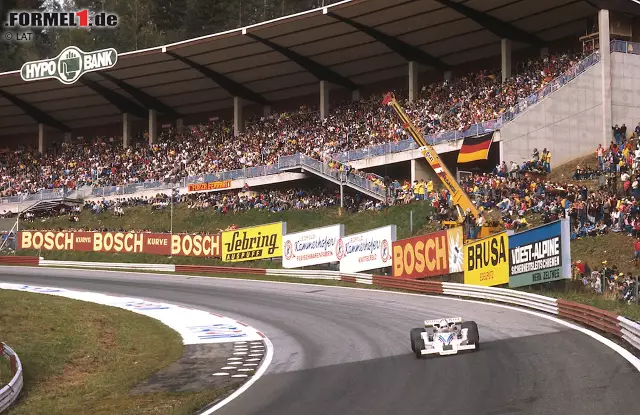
x=430, y=323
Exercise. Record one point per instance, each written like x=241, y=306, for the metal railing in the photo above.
x=293, y=161
x=9, y=393
x=623, y=46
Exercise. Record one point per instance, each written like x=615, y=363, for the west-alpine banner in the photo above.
x=312, y=247
x=366, y=250
x=536, y=255
x=257, y=242
x=486, y=261
x=122, y=242
x=430, y=255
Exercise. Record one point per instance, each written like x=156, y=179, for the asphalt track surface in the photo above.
x=343, y=351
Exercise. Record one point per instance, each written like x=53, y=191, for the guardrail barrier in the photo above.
x=9, y=393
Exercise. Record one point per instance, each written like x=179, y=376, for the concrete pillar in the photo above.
x=324, y=99
x=355, y=95
x=266, y=110
x=180, y=125
x=505, y=49
x=448, y=76
x=605, y=61
x=126, y=130
x=413, y=80
x=420, y=169
x=41, y=138
x=544, y=52
x=238, y=119
x=153, y=127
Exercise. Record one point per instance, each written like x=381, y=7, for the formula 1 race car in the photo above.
x=445, y=336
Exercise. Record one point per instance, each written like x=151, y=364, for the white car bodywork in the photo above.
x=447, y=337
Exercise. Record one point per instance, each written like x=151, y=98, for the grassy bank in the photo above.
x=186, y=220
x=83, y=358
x=5, y=372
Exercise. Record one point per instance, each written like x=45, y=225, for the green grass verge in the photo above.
x=83, y=358
x=5, y=372
x=186, y=220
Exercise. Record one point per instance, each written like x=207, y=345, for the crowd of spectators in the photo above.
x=606, y=280
x=211, y=147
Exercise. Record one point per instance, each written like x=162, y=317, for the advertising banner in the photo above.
x=536, y=255
x=312, y=247
x=486, y=261
x=257, y=242
x=366, y=250
x=430, y=255
x=202, y=187
x=122, y=242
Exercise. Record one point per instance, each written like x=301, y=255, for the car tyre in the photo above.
x=414, y=335
x=472, y=333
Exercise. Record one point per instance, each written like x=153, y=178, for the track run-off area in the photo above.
x=346, y=351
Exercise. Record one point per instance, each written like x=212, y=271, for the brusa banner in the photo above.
x=122, y=242
x=434, y=254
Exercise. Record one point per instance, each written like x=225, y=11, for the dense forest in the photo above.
x=142, y=23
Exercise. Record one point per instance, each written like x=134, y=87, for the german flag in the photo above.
x=475, y=148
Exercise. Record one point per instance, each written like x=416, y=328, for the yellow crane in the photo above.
x=458, y=196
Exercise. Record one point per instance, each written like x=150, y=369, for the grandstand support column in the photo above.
x=324, y=99
x=505, y=53
x=180, y=125
x=448, y=76
x=126, y=130
x=266, y=111
x=413, y=80
x=153, y=127
x=605, y=59
x=41, y=138
x=238, y=119
x=420, y=170
x=341, y=195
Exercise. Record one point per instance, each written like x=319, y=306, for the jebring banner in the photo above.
x=312, y=247
x=366, y=250
x=536, y=255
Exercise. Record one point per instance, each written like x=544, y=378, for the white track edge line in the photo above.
x=261, y=370
x=612, y=345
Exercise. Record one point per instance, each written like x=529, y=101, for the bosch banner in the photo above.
x=203, y=187
x=312, y=247
x=257, y=242
x=438, y=253
x=366, y=250
x=486, y=261
x=536, y=255
x=122, y=242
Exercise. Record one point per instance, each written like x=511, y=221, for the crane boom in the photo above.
x=458, y=196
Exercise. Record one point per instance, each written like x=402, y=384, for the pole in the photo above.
x=411, y=222
x=341, y=195
x=171, y=225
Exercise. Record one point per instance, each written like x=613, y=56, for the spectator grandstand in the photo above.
x=202, y=149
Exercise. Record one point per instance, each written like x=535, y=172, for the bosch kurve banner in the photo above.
x=536, y=255
x=486, y=261
x=205, y=187
x=312, y=247
x=257, y=242
x=122, y=242
x=430, y=255
x=366, y=250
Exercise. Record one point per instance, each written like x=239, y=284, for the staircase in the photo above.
x=358, y=183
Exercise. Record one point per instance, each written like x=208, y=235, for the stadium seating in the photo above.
x=207, y=148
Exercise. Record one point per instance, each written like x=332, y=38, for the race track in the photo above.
x=344, y=351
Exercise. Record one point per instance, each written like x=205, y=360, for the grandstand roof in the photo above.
x=351, y=43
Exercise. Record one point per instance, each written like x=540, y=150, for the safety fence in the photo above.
x=601, y=320
x=9, y=393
